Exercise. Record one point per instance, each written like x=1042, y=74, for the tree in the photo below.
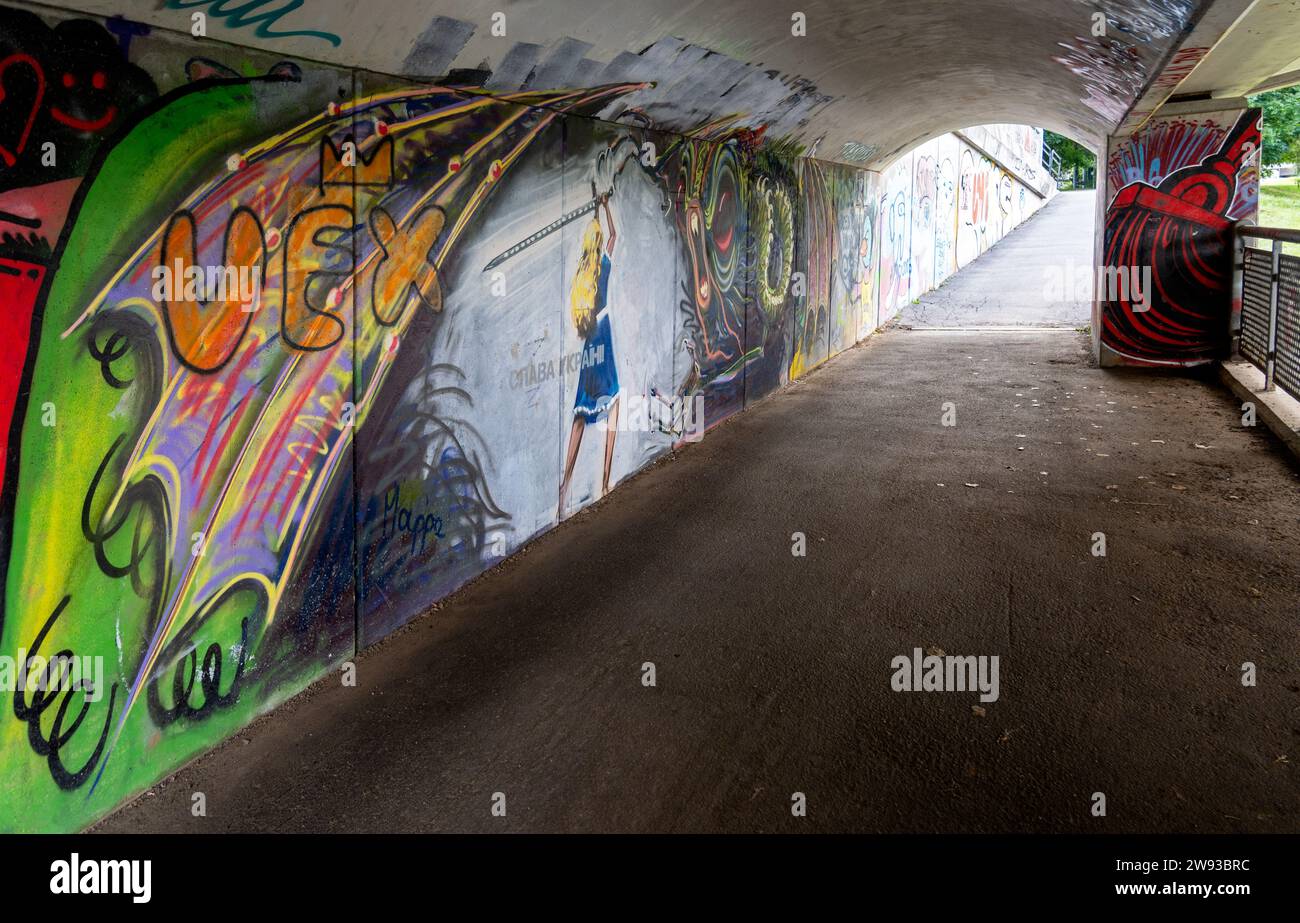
x=1072, y=153
x=1281, y=123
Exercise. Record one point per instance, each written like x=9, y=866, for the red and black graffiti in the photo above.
x=63, y=91
x=1182, y=231
x=67, y=86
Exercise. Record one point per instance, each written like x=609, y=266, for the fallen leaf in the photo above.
x=978, y=711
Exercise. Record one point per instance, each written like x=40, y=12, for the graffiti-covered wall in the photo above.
x=945, y=204
x=1175, y=190
x=294, y=351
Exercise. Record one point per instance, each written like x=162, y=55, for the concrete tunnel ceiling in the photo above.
x=869, y=80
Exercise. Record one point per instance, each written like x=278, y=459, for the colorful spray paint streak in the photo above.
x=1180, y=187
x=292, y=356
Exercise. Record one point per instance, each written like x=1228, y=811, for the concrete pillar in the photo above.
x=1173, y=191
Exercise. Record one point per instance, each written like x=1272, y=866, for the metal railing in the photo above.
x=1076, y=178
x=1051, y=160
x=1266, y=283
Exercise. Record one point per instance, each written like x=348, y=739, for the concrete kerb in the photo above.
x=1275, y=409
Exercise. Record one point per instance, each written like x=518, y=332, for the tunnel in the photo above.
x=324, y=316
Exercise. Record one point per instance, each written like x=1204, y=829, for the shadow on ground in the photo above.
x=1119, y=674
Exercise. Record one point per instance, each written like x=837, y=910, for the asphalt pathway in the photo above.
x=1039, y=275
x=1118, y=674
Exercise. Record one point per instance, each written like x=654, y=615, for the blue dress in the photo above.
x=598, y=381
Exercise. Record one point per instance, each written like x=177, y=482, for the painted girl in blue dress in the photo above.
x=597, y=393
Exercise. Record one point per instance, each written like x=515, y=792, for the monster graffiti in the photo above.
x=703, y=175
x=1177, y=221
x=776, y=248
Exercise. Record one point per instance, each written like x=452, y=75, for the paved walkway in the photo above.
x=1038, y=275
x=1118, y=675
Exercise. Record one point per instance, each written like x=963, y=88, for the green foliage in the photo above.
x=1279, y=204
x=1281, y=124
x=1072, y=153
x=1279, y=207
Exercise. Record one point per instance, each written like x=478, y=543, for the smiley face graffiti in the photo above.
x=68, y=86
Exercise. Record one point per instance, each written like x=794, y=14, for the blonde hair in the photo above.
x=582, y=296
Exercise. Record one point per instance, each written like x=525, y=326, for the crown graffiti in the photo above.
x=345, y=164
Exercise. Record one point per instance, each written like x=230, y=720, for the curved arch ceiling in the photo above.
x=868, y=80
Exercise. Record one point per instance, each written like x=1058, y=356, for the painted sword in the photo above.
x=537, y=235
